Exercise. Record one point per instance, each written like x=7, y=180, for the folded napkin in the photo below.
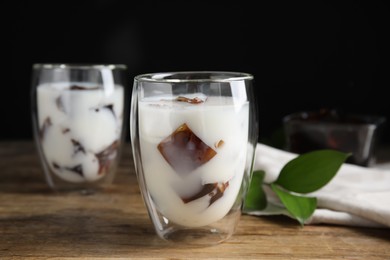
x=356, y=196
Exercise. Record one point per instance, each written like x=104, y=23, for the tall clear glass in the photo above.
x=193, y=138
x=78, y=112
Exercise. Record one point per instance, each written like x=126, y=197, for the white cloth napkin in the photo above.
x=356, y=196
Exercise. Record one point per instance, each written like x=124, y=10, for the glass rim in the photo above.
x=198, y=76
x=79, y=66
x=302, y=117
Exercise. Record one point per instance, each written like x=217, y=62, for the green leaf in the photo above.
x=256, y=198
x=301, y=208
x=311, y=171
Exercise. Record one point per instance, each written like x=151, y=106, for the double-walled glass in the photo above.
x=193, y=138
x=78, y=112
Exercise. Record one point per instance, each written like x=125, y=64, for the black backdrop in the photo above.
x=304, y=55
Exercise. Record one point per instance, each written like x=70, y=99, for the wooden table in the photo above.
x=36, y=223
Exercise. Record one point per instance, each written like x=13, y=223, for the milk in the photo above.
x=80, y=128
x=222, y=124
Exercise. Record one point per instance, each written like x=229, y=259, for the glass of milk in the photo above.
x=78, y=112
x=193, y=137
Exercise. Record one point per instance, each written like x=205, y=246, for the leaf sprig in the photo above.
x=304, y=174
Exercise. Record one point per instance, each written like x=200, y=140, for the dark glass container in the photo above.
x=330, y=129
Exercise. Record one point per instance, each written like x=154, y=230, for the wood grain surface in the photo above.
x=36, y=223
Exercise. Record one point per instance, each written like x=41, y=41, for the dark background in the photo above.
x=304, y=55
